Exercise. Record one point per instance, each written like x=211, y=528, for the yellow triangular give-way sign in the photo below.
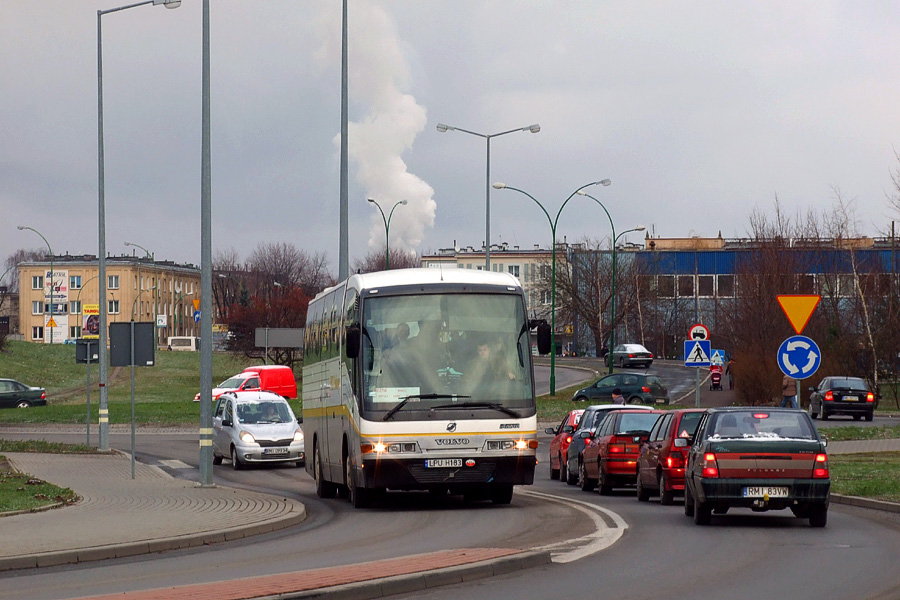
x=799, y=308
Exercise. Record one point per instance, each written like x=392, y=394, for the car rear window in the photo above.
x=653, y=380
x=688, y=425
x=630, y=422
x=761, y=424
x=849, y=382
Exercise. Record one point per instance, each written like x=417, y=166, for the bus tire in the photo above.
x=502, y=494
x=324, y=489
x=358, y=497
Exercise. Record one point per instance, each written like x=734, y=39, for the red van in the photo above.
x=275, y=378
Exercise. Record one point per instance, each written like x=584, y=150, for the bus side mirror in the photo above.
x=352, y=342
x=543, y=338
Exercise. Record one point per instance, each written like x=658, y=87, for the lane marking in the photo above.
x=175, y=464
x=601, y=538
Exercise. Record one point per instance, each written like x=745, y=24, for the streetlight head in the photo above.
x=499, y=186
x=168, y=3
x=605, y=182
x=640, y=228
x=581, y=193
x=20, y=227
x=442, y=128
x=372, y=200
x=129, y=244
x=534, y=128
x=404, y=202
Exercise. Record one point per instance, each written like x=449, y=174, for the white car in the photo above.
x=256, y=427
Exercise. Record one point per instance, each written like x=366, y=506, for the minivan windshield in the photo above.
x=232, y=382
x=434, y=351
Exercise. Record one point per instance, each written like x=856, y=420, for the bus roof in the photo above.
x=432, y=275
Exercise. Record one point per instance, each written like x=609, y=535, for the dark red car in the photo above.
x=562, y=437
x=611, y=453
x=663, y=456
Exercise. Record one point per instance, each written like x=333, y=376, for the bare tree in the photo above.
x=375, y=261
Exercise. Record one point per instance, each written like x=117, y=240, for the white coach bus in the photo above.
x=420, y=379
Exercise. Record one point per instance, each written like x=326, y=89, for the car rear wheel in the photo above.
x=702, y=513
x=581, y=399
x=604, y=486
x=23, y=404
x=634, y=400
x=688, y=501
x=824, y=415
x=857, y=417
x=642, y=494
x=813, y=414
x=818, y=515
x=554, y=473
x=870, y=416
x=571, y=476
x=217, y=460
x=666, y=497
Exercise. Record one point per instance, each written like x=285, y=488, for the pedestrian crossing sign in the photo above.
x=697, y=353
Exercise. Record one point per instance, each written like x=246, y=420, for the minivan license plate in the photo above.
x=760, y=491
x=275, y=450
x=443, y=463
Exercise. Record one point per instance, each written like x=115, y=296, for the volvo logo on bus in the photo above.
x=451, y=441
x=451, y=427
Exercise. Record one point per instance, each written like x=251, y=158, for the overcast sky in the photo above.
x=698, y=112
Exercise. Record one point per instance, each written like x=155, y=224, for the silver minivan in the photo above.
x=256, y=427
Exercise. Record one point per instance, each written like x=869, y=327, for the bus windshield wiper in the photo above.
x=403, y=402
x=493, y=405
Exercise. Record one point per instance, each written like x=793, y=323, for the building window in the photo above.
x=666, y=286
x=726, y=286
x=75, y=307
x=37, y=333
x=37, y=308
x=37, y=283
x=514, y=270
x=113, y=283
x=705, y=284
x=75, y=282
x=74, y=331
x=113, y=307
x=685, y=285
x=806, y=283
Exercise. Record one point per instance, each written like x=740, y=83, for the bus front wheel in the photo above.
x=502, y=494
x=324, y=489
x=359, y=497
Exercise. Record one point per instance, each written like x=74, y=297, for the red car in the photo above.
x=610, y=454
x=664, y=454
x=561, y=440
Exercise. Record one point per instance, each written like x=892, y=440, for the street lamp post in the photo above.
x=88, y=356
x=487, y=181
x=22, y=228
x=152, y=258
x=553, y=223
x=101, y=205
x=612, y=316
x=387, y=228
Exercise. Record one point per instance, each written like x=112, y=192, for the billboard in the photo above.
x=56, y=292
x=90, y=324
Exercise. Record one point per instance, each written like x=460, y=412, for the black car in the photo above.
x=842, y=396
x=590, y=419
x=757, y=458
x=18, y=395
x=637, y=388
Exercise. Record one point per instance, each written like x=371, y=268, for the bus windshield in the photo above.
x=437, y=351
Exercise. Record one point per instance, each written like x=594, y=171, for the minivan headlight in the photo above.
x=247, y=437
x=298, y=435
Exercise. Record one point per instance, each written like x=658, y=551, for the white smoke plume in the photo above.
x=377, y=73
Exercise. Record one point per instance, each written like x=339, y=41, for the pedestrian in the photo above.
x=617, y=397
x=729, y=370
x=789, y=392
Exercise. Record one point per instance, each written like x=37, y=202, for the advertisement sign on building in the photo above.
x=90, y=325
x=56, y=292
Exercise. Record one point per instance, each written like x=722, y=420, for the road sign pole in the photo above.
x=697, y=389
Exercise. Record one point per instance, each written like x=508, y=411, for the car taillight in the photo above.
x=44, y=395
x=645, y=389
x=568, y=439
x=829, y=396
x=710, y=466
x=870, y=397
x=651, y=355
x=631, y=356
x=821, y=469
x=616, y=448
x=675, y=460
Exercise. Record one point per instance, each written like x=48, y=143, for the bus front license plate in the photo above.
x=443, y=463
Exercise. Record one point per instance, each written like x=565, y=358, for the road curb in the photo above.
x=80, y=555
x=424, y=580
x=882, y=505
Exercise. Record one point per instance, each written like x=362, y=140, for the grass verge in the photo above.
x=850, y=433
x=869, y=475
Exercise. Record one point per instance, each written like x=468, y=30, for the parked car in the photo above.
x=761, y=459
x=236, y=383
x=627, y=355
x=637, y=388
x=589, y=420
x=256, y=427
x=18, y=395
x=562, y=437
x=842, y=396
x=610, y=455
x=662, y=457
